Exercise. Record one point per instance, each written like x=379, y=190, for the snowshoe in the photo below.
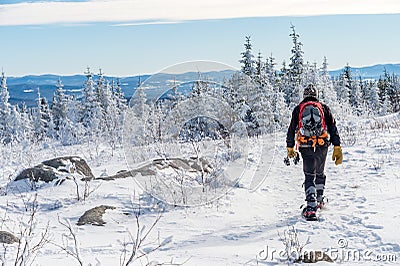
x=310, y=213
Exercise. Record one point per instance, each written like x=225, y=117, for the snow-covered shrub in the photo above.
x=293, y=248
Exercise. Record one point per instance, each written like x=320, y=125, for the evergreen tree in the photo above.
x=326, y=91
x=4, y=109
x=296, y=60
x=71, y=130
x=231, y=93
x=119, y=96
x=386, y=107
x=343, y=86
x=310, y=75
x=26, y=126
x=139, y=103
x=260, y=74
x=394, y=92
x=16, y=130
x=41, y=117
x=139, y=115
x=103, y=93
x=261, y=107
x=285, y=84
x=200, y=87
x=296, y=68
x=386, y=93
x=247, y=60
x=59, y=107
x=372, y=97
x=270, y=71
x=280, y=109
x=91, y=111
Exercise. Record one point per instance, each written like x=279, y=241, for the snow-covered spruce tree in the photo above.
x=71, y=130
x=393, y=91
x=284, y=82
x=155, y=127
x=260, y=99
x=103, y=93
x=140, y=109
x=21, y=123
x=199, y=87
x=247, y=60
x=280, y=109
x=261, y=104
x=270, y=72
x=310, y=75
x=363, y=106
x=5, y=112
x=241, y=93
x=296, y=64
x=296, y=67
x=326, y=91
x=17, y=126
x=352, y=88
x=41, y=118
x=260, y=74
x=387, y=93
x=250, y=95
x=342, y=87
x=371, y=97
x=386, y=105
x=45, y=110
x=91, y=111
x=118, y=96
x=396, y=92
x=112, y=119
x=59, y=106
x=121, y=105
x=230, y=92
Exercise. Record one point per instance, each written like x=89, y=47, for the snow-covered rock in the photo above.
x=50, y=170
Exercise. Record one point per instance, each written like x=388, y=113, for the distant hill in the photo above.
x=370, y=72
x=24, y=89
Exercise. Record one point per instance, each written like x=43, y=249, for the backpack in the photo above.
x=311, y=119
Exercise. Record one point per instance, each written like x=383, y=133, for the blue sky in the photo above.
x=62, y=38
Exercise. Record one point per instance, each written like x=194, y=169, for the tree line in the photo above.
x=261, y=95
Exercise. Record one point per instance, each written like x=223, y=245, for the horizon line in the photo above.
x=151, y=74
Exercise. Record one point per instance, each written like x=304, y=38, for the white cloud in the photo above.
x=156, y=11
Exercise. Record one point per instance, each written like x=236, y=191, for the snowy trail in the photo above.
x=362, y=207
x=354, y=214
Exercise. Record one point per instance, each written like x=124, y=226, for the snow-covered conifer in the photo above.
x=4, y=106
x=91, y=111
x=59, y=107
x=296, y=64
x=247, y=60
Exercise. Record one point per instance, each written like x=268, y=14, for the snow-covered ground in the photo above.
x=244, y=226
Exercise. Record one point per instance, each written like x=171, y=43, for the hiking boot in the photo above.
x=310, y=213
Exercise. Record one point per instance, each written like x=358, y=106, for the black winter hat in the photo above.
x=310, y=91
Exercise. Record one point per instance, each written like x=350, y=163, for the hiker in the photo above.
x=311, y=123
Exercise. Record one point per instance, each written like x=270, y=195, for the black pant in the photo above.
x=313, y=168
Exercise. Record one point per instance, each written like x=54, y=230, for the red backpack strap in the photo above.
x=315, y=104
